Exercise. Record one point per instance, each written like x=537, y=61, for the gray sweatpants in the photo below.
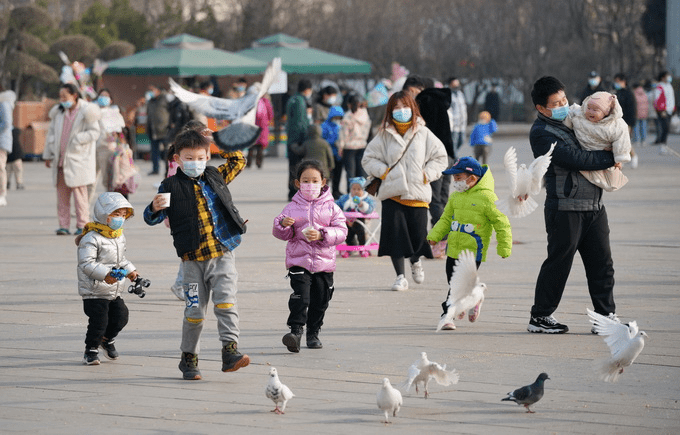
x=216, y=275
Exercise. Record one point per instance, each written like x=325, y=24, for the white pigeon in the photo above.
x=423, y=370
x=524, y=182
x=278, y=392
x=466, y=291
x=389, y=399
x=624, y=340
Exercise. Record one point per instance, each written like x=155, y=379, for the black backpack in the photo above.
x=179, y=116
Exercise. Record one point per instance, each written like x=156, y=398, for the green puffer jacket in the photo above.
x=468, y=219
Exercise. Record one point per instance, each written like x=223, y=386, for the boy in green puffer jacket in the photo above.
x=468, y=219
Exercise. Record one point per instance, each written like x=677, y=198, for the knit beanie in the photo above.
x=603, y=101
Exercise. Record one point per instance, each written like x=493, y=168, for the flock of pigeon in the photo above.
x=625, y=341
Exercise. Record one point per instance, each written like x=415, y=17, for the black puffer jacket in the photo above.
x=433, y=104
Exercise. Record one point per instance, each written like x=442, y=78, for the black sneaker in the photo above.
x=313, y=341
x=546, y=324
x=232, y=359
x=189, y=366
x=292, y=339
x=91, y=357
x=109, y=349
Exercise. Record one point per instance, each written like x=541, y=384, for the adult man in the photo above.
x=664, y=104
x=575, y=217
x=458, y=113
x=629, y=107
x=158, y=120
x=492, y=103
x=413, y=85
x=298, y=115
x=594, y=85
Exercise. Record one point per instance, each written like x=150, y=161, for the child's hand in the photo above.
x=158, y=203
x=110, y=279
x=132, y=275
x=287, y=221
x=313, y=235
x=618, y=165
x=431, y=242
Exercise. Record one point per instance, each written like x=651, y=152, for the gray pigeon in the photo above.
x=389, y=399
x=530, y=394
x=278, y=392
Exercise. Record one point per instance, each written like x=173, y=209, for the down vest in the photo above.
x=97, y=254
x=320, y=213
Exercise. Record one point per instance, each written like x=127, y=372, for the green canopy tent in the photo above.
x=185, y=55
x=297, y=57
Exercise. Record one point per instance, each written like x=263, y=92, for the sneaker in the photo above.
x=546, y=324
x=400, y=284
x=91, y=357
x=63, y=232
x=20, y=187
x=78, y=232
x=634, y=162
x=364, y=254
x=417, y=272
x=189, y=366
x=232, y=359
x=663, y=150
x=344, y=254
x=610, y=316
x=292, y=339
x=449, y=327
x=313, y=341
x=109, y=349
x=473, y=313
x=3, y=201
x=178, y=291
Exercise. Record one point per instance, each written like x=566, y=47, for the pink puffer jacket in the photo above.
x=324, y=216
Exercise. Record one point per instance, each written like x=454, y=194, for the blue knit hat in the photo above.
x=465, y=164
x=357, y=180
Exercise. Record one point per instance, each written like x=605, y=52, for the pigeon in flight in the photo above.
x=524, y=182
x=423, y=370
x=389, y=399
x=466, y=292
x=529, y=394
x=624, y=340
x=278, y=392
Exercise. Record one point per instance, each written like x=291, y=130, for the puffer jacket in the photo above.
x=97, y=254
x=612, y=131
x=469, y=218
x=423, y=163
x=7, y=100
x=356, y=127
x=320, y=213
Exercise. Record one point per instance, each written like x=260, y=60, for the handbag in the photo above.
x=374, y=186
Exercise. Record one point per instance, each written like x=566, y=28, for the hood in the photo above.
x=486, y=182
x=107, y=203
x=324, y=196
x=314, y=131
x=335, y=111
x=434, y=97
x=615, y=113
x=8, y=97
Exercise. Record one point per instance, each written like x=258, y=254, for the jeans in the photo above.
x=640, y=131
x=352, y=161
x=156, y=154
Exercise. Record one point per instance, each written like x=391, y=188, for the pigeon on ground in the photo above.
x=624, y=340
x=530, y=394
x=524, y=182
x=389, y=399
x=278, y=392
x=423, y=370
x=466, y=292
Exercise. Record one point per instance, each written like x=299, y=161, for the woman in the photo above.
x=70, y=152
x=405, y=191
x=328, y=97
x=263, y=117
x=356, y=126
x=111, y=126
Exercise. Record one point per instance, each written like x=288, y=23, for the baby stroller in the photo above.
x=370, y=223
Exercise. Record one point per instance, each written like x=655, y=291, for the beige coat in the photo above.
x=423, y=163
x=80, y=158
x=611, y=133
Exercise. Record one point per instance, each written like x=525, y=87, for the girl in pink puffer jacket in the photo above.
x=312, y=225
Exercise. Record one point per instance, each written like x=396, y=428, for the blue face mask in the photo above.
x=116, y=222
x=193, y=168
x=104, y=101
x=402, y=115
x=559, y=113
x=149, y=95
x=617, y=86
x=67, y=104
x=669, y=79
x=593, y=82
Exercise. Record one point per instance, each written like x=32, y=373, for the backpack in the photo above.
x=660, y=102
x=179, y=116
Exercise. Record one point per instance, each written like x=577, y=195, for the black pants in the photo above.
x=106, y=319
x=311, y=294
x=336, y=175
x=569, y=232
x=351, y=160
x=440, y=195
x=450, y=268
x=358, y=230
x=664, y=124
x=293, y=161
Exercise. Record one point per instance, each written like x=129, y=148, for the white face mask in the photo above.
x=193, y=168
x=460, y=185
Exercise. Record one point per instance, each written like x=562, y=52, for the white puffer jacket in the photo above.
x=611, y=133
x=97, y=254
x=423, y=163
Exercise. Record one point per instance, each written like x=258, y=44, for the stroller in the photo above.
x=370, y=224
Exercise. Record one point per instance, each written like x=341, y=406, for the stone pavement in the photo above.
x=370, y=332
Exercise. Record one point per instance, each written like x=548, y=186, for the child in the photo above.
x=101, y=249
x=468, y=219
x=206, y=228
x=356, y=200
x=316, y=148
x=599, y=125
x=331, y=132
x=480, y=138
x=312, y=225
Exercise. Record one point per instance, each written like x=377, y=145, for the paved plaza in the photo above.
x=370, y=332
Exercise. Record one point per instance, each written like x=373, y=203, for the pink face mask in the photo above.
x=310, y=191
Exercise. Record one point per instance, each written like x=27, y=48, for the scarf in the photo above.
x=402, y=127
x=102, y=229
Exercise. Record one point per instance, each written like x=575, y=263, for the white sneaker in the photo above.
x=417, y=272
x=634, y=162
x=663, y=150
x=400, y=284
x=3, y=201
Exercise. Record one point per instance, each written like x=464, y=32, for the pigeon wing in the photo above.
x=213, y=107
x=464, y=278
x=413, y=372
x=521, y=394
x=510, y=163
x=443, y=376
x=538, y=169
x=615, y=334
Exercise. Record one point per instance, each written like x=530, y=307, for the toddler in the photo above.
x=480, y=138
x=468, y=219
x=313, y=225
x=102, y=267
x=599, y=125
x=357, y=200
